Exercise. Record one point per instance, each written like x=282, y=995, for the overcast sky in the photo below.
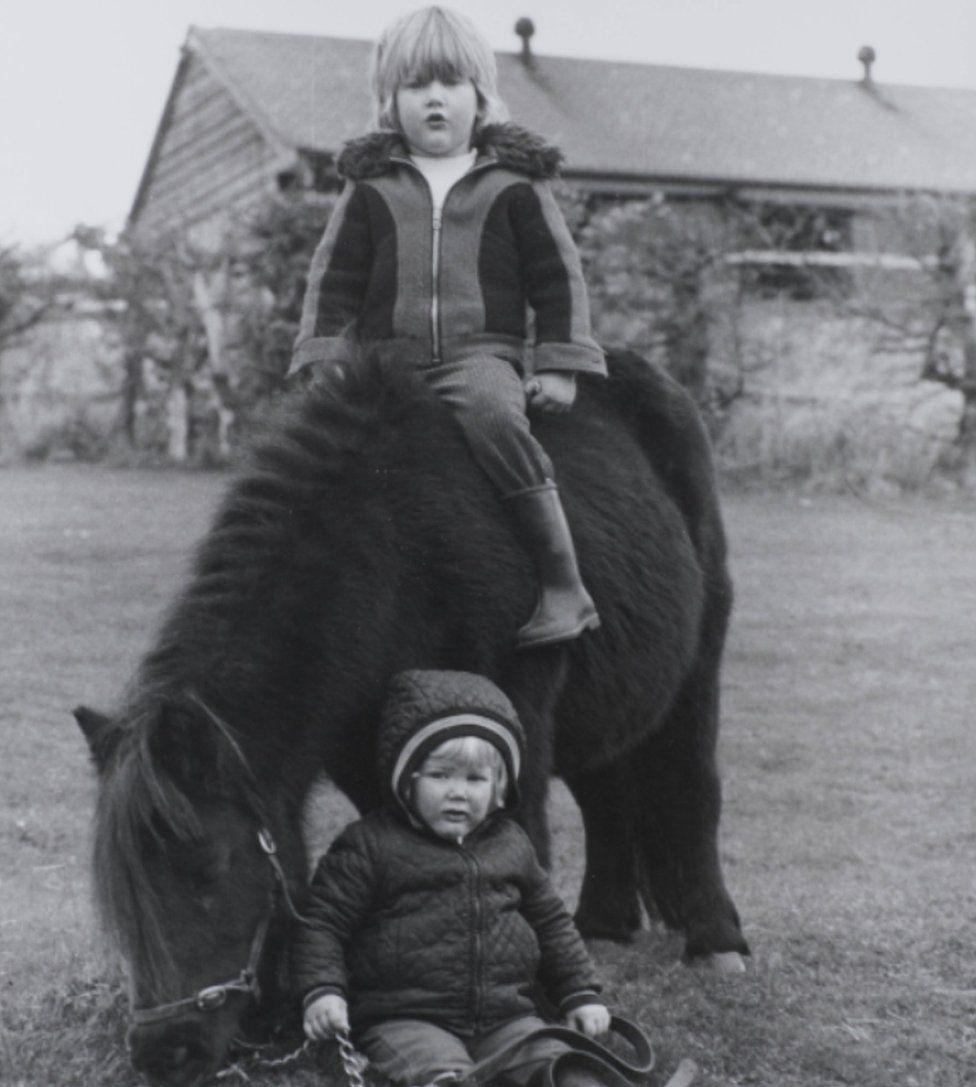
x=82, y=82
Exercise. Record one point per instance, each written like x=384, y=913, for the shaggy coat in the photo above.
x=363, y=541
x=407, y=924
x=423, y=290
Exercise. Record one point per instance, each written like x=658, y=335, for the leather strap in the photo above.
x=603, y=1062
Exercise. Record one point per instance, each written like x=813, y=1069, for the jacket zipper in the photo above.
x=435, y=296
x=476, y=939
x=435, y=256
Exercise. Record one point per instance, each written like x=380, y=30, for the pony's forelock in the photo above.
x=138, y=803
x=433, y=43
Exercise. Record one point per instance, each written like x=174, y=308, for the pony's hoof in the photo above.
x=722, y=962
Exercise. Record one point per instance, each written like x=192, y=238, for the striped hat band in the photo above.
x=473, y=724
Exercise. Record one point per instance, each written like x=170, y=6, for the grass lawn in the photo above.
x=848, y=756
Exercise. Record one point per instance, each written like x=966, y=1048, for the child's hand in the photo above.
x=326, y=1016
x=589, y=1019
x=552, y=390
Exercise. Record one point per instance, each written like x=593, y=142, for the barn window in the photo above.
x=288, y=181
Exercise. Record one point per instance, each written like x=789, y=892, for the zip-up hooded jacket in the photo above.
x=406, y=924
x=418, y=289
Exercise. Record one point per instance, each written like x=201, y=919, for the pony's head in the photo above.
x=188, y=881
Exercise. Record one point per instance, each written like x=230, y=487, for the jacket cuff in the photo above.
x=569, y=356
x=320, y=349
x=577, y=1000
x=321, y=990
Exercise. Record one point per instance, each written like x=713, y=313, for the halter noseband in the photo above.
x=212, y=997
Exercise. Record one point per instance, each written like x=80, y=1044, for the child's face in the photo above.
x=437, y=118
x=452, y=797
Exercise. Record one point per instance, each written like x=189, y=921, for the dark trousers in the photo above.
x=488, y=400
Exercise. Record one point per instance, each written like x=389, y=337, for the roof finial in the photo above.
x=866, y=55
x=525, y=28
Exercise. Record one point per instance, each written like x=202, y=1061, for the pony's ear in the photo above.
x=185, y=747
x=101, y=732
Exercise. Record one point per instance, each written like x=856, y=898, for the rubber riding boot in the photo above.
x=564, y=609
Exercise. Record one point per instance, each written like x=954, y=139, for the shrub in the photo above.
x=74, y=438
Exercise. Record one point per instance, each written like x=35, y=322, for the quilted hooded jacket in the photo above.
x=406, y=924
x=418, y=289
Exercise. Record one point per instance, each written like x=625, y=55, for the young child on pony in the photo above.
x=445, y=229
x=430, y=920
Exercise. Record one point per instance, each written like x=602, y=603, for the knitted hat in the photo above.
x=426, y=708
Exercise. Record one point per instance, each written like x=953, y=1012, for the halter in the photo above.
x=212, y=997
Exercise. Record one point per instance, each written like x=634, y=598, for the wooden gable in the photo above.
x=210, y=154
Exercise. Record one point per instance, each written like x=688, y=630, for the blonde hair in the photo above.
x=474, y=753
x=433, y=43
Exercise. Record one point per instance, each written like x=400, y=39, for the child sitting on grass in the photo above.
x=430, y=920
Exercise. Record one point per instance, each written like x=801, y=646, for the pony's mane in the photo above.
x=295, y=470
x=294, y=467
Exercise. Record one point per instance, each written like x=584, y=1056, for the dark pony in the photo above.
x=360, y=541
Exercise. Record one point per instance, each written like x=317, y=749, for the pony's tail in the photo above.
x=669, y=426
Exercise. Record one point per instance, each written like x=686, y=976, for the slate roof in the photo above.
x=638, y=121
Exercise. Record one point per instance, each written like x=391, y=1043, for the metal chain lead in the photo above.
x=353, y=1062
x=256, y=1062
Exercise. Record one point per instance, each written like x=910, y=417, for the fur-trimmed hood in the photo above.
x=509, y=145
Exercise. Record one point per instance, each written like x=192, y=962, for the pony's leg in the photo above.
x=675, y=777
x=678, y=816
x=608, y=905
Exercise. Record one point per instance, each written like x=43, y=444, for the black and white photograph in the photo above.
x=487, y=527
